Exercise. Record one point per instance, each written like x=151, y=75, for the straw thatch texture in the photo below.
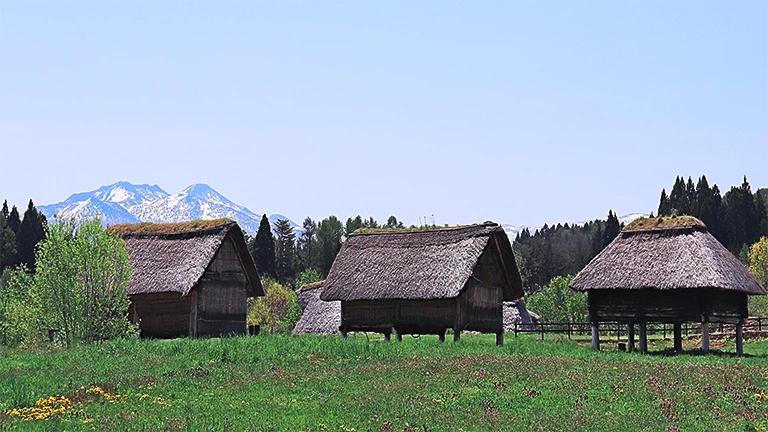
x=169, y=258
x=417, y=265
x=319, y=317
x=666, y=259
x=518, y=317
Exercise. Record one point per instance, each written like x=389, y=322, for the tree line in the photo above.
x=561, y=249
x=280, y=254
x=18, y=237
x=737, y=219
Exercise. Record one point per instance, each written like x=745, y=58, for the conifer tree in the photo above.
x=612, y=228
x=329, y=235
x=307, y=245
x=13, y=221
x=285, y=251
x=664, y=207
x=353, y=225
x=31, y=232
x=4, y=211
x=678, y=197
x=690, y=196
x=7, y=243
x=263, y=248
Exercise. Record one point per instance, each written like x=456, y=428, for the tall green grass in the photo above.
x=316, y=383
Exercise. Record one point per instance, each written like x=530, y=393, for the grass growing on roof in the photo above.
x=148, y=228
x=666, y=222
x=316, y=383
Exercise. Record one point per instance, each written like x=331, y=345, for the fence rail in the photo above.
x=609, y=329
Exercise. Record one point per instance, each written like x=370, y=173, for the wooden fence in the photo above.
x=662, y=330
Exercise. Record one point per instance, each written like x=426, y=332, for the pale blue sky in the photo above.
x=517, y=112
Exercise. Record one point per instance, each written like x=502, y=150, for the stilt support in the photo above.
x=740, y=339
x=456, y=335
x=678, y=337
x=441, y=335
x=500, y=338
x=705, y=337
x=643, y=337
x=631, y=337
x=398, y=335
x=595, y=336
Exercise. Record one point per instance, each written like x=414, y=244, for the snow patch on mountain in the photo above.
x=123, y=202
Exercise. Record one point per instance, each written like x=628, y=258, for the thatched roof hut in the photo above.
x=319, y=317
x=517, y=317
x=189, y=278
x=424, y=281
x=666, y=270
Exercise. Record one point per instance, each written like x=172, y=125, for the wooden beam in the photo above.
x=643, y=337
x=705, y=337
x=500, y=338
x=595, y=336
x=631, y=337
x=740, y=339
x=678, y=337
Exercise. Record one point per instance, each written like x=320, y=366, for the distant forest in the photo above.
x=737, y=219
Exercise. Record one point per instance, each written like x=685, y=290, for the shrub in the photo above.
x=80, y=283
x=278, y=311
x=558, y=303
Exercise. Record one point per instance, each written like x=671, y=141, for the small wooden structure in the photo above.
x=189, y=278
x=318, y=317
x=666, y=270
x=425, y=281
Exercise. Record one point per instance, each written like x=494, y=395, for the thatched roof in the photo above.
x=666, y=255
x=319, y=317
x=517, y=316
x=418, y=265
x=172, y=257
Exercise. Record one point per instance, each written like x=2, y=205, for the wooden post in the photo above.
x=705, y=337
x=343, y=332
x=387, y=335
x=595, y=336
x=441, y=335
x=398, y=335
x=631, y=337
x=456, y=335
x=740, y=338
x=678, y=337
x=500, y=338
x=643, y=337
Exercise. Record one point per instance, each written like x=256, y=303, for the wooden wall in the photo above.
x=222, y=307
x=684, y=305
x=161, y=315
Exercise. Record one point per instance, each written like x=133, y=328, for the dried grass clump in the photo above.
x=664, y=223
x=147, y=228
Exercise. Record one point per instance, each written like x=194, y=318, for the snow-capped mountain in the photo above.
x=88, y=208
x=123, y=202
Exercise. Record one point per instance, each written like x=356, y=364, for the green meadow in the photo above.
x=315, y=383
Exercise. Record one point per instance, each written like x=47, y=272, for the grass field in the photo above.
x=308, y=383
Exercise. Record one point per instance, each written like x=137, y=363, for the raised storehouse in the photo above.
x=189, y=278
x=425, y=281
x=666, y=270
x=319, y=317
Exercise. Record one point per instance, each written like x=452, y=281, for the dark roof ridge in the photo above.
x=379, y=231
